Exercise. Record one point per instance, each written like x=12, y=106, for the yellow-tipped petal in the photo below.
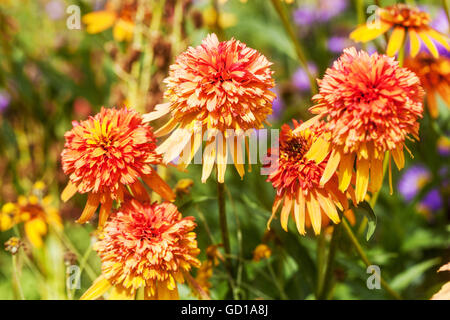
x=275, y=206
x=399, y=157
x=285, y=211
x=395, y=41
x=331, y=167
x=314, y=212
x=439, y=37
x=328, y=207
x=376, y=175
x=68, y=192
x=165, y=294
x=365, y=32
x=92, y=203
x=237, y=157
x=428, y=43
x=159, y=111
x=209, y=158
x=299, y=213
x=222, y=154
x=167, y=128
x=345, y=171
x=105, y=210
x=318, y=151
x=414, y=42
x=362, y=178
x=98, y=288
x=391, y=189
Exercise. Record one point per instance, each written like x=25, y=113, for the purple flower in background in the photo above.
x=300, y=79
x=277, y=105
x=440, y=22
x=337, y=44
x=5, y=99
x=443, y=146
x=320, y=11
x=412, y=181
x=55, y=9
x=431, y=202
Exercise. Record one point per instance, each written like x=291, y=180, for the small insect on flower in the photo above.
x=402, y=18
x=370, y=106
x=120, y=16
x=146, y=246
x=297, y=182
x=434, y=74
x=105, y=155
x=218, y=88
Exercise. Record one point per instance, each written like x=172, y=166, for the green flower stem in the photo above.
x=363, y=256
x=16, y=279
x=320, y=262
x=225, y=233
x=296, y=42
x=328, y=279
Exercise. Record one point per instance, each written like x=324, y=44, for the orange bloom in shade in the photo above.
x=212, y=88
x=108, y=153
x=370, y=106
x=146, y=246
x=402, y=19
x=297, y=182
x=434, y=74
x=121, y=18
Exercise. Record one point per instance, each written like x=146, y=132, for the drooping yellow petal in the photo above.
x=362, y=178
x=98, y=288
x=165, y=294
x=328, y=207
x=123, y=30
x=209, y=157
x=92, y=203
x=222, y=155
x=238, y=159
x=376, y=175
x=285, y=211
x=395, y=41
x=314, y=213
x=414, y=42
x=157, y=184
x=428, y=43
x=345, y=171
x=432, y=105
x=299, y=212
x=68, y=192
x=439, y=37
x=331, y=167
x=275, y=206
x=399, y=157
x=367, y=32
x=99, y=21
x=105, y=210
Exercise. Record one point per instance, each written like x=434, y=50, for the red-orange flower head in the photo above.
x=370, y=105
x=145, y=246
x=215, y=86
x=297, y=182
x=106, y=153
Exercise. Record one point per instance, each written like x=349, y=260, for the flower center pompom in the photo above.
x=405, y=15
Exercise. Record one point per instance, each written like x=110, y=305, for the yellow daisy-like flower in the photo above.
x=35, y=214
x=121, y=19
x=145, y=246
x=402, y=19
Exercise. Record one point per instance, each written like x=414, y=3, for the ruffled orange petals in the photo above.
x=358, y=123
x=212, y=88
x=146, y=246
x=297, y=180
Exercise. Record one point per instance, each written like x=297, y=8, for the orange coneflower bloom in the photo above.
x=403, y=19
x=297, y=182
x=146, y=246
x=370, y=106
x=108, y=153
x=434, y=74
x=212, y=88
x=35, y=213
x=121, y=17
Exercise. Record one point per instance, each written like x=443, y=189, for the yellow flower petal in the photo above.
x=362, y=178
x=98, y=288
x=395, y=41
x=99, y=21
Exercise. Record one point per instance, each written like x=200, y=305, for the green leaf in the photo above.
x=372, y=218
x=404, y=279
